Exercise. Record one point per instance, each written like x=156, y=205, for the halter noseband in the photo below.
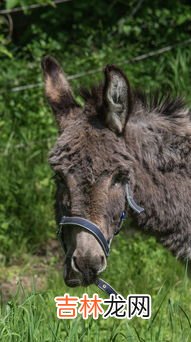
x=88, y=225
x=95, y=231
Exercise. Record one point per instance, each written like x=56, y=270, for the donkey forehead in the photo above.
x=84, y=147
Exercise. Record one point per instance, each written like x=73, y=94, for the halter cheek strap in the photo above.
x=133, y=205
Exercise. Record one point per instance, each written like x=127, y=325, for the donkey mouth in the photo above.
x=73, y=279
x=73, y=282
x=79, y=282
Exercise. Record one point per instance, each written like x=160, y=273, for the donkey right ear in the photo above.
x=117, y=98
x=57, y=88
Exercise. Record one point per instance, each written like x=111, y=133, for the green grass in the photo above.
x=141, y=266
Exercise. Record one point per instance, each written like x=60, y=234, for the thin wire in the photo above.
x=22, y=9
x=137, y=7
x=79, y=75
x=94, y=71
x=82, y=74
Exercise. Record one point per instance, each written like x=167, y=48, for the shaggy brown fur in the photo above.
x=150, y=148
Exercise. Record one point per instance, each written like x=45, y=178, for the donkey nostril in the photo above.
x=102, y=264
x=75, y=265
x=84, y=265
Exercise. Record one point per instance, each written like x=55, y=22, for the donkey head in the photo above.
x=91, y=164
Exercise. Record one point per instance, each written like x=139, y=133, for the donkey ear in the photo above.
x=57, y=88
x=117, y=98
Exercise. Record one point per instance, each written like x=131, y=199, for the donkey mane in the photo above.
x=163, y=105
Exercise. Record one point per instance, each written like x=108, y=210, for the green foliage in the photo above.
x=24, y=3
x=84, y=35
x=12, y=3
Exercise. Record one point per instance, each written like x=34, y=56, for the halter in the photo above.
x=95, y=231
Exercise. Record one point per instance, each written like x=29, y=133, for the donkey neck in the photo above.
x=161, y=169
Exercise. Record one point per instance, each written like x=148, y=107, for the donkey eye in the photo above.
x=116, y=179
x=67, y=204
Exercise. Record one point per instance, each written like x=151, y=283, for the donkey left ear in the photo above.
x=117, y=98
x=57, y=88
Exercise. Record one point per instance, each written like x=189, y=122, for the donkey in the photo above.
x=119, y=137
